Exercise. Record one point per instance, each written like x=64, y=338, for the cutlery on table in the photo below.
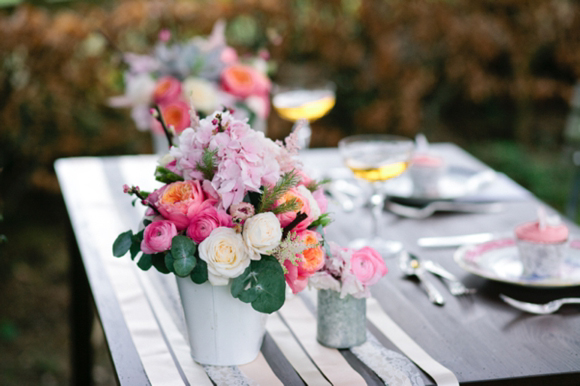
x=535, y=308
x=454, y=241
x=455, y=286
x=411, y=266
x=448, y=206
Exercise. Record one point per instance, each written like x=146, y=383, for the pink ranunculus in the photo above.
x=176, y=114
x=368, y=266
x=157, y=236
x=205, y=219
x=174, y=201
x=242, y=81
x=167, y=90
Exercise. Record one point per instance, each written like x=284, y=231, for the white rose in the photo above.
x=203, y=94
x=314, y=208
x=262, y=233
x=226, y=255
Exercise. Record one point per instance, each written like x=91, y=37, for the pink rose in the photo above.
x=176, y=114
x=368, y=266
x=205, y=219
x=304, y=206
x=157, y=236
x=167, y=89
x=174, y=201
x=242, y=81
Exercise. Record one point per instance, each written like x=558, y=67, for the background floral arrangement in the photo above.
x=235, y=207
x=205, y=71
x=349, y=271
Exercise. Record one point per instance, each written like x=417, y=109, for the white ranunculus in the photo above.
x=262, y=233
x=203, y=94
x=314, y=208
x=226, y=255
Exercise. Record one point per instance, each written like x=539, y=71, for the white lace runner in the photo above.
x=393, y=368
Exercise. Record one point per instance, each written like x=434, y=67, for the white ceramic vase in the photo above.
x=223, y=330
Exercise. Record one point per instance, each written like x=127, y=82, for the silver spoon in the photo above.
x=450, y=206
x=411, y=266
x=535, y=308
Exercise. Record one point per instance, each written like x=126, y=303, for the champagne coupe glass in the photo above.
x=304, y=103
x=376, y=158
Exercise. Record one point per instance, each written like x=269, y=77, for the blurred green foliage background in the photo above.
x=494, y=76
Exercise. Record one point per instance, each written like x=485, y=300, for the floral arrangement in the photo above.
x=349, y=271
x=205, y=71
x=235, y=208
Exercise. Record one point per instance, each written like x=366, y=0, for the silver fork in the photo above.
x=535, y=308
x=455, y=286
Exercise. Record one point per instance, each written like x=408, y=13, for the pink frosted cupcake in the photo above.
x=541, y=246
x=425, y=171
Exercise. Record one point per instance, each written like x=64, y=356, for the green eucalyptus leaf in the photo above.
x=262, y=284
x=183, y=252
x=145, y=262
x=199, y=273
x=122, y=244
x=168, y=259
x=158, y=260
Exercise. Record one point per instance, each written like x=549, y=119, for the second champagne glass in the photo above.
x=376, y=159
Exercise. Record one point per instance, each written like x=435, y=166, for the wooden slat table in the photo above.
x=479, y=338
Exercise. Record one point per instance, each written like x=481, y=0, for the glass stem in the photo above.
x=377, y=202
x=305, y=132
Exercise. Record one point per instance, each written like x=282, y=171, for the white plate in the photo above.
x=457, y=182
x=499, y=260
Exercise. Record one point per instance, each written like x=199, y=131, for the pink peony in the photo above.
x=176, y=114
x=174, y=201
x=167, y=90
x=204, y=219
x=157, y=236
x=368, y=266
x=242, y=81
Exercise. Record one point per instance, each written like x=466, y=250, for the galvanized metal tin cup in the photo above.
x=341, y=323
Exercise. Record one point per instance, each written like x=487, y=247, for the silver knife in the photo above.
x=454, y=241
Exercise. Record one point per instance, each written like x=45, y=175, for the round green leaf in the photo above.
x=262, y=284
x=183, y=252
x=199, y=273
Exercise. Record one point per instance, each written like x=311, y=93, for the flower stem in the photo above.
x=161, y=120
